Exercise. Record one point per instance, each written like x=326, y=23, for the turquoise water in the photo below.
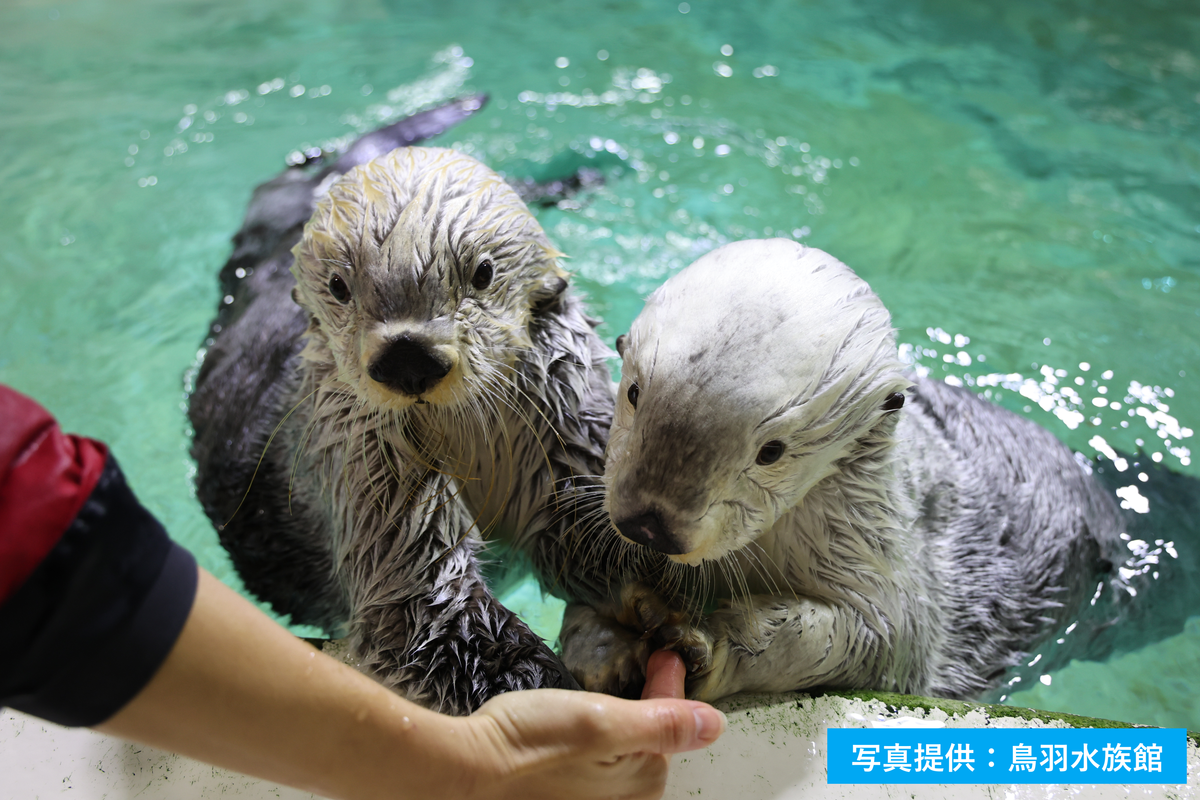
x=1018, y=183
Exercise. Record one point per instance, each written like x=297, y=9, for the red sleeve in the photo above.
x=45, y=478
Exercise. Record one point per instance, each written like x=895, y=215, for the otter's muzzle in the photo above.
x=648, y=530
x=409, y=365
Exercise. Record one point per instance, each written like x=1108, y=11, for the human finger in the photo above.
x=665, y=673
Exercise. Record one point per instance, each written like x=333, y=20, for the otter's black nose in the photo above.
x=649, y=530
x=407, y=365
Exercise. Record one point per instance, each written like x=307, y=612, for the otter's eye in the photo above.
x=483, y=274
x=632, y=394
x=339, y=289
x=770, y=453
x=894, y=402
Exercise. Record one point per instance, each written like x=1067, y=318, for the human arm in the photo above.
x=109, y=624
x=241, y=692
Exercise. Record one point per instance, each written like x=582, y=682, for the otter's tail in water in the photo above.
x=409, y=130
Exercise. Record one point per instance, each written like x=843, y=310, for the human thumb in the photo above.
x=672, y=726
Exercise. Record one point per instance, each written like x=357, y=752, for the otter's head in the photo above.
x=749, y=378
x=422, y=272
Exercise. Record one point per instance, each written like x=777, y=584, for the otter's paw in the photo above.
x=602, y=654
x=709, y=666
x=642, y=609
x=704, y=653
x=693, y=643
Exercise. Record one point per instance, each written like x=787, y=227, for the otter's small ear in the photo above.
x=894, y=401
x=548, y=294
x=621, y=344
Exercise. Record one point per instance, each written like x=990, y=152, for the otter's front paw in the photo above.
x=669, y=628
x=602, y=654
x=704, y=654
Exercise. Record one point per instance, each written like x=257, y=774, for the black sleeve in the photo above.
x=90, y=627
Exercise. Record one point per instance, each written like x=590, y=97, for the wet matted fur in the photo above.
x=434, y=378
x=861, y=527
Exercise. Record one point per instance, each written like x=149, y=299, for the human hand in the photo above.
x=241, y=692
x=554, y=744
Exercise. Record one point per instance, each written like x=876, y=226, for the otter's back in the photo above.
x=1021, y=526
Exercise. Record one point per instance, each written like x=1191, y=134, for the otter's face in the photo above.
x=748, y=379
x=422, y=271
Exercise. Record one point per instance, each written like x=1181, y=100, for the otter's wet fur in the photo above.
x=863, y=527
x=433, y=379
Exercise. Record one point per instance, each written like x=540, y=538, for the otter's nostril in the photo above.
x=409, y=366
x=649, y=530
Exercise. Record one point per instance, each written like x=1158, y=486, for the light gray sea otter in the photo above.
x=861, y=527
x=433, y=378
